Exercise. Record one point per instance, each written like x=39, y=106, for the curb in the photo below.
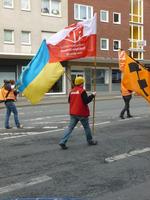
x=25, y=103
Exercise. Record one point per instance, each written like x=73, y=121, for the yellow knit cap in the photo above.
x=79, y=80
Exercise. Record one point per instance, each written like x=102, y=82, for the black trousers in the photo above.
x=127, y=105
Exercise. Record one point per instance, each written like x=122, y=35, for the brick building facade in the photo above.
x=120, y=24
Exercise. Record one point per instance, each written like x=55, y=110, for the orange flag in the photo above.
x=136, y=77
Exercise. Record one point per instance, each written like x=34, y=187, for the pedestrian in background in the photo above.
x=79, y=111
x=10, y=95
x=126, y=95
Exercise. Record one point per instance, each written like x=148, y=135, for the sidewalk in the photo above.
x=59, y=99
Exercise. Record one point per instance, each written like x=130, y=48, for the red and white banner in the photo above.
x=75, y=41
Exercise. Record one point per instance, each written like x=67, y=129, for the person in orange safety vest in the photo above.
x=126, y=95
x=9, y=95
x=79, y=111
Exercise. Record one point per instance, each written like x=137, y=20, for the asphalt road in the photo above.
x=33, y=165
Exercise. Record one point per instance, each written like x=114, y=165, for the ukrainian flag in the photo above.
x=39, y=75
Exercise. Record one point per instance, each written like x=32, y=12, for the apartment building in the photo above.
x=23, y=26
x=120, y=24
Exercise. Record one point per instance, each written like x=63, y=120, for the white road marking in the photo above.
x=126, y=155
x=50, y=127
x=46, y=117
x=28, y=127
x=19, y=108
x=14, y=134
x=24, y=184
x=126, y=119
x=101, y=123
x=137, y=117
x=12, y=137
x=21, y=113
x=97, y=124
x=41, y=111
x=61, y=122
x=24, y=127
x=25, y=134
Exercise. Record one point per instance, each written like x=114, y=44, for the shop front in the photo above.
x=106, y=75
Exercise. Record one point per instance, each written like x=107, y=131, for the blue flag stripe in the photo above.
x=35, y=66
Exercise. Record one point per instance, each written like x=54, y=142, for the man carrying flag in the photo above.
x=126, y=94
x=79, y=111
x=135, y=77
x=76, y=41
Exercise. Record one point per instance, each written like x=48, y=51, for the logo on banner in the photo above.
x=75, y=35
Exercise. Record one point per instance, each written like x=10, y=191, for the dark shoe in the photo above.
x=92, y=142
x=20, y=126
x=129, y=116
x=122, y=117
x=63, y=146
x=9, y=127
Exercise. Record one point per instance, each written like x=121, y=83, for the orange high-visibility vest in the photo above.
x=7, y=95
x=3, y=94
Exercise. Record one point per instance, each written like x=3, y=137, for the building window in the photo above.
x=137, y=55
x=116, y=18
x=82, y=12
x=8, y=36
x=116, y=45
x=25, y=4
x=51, y=7
x=136, y=41
x=26, y=38
x=116, y=79
x=46, y=35
x=136, y=35
x=104, y=16
x=55, y=7
x=8, y=3
x=102, y=79
x=136, y=11
x=104, y=44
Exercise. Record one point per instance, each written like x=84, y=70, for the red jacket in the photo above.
x=77, y=106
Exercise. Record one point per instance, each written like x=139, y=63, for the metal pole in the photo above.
x=94, y=89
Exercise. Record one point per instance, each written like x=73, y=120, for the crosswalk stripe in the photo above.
x=24, y=184
x=126, y=155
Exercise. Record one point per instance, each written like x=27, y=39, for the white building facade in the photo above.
x=23, y=26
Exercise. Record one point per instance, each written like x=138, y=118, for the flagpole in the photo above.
x=94, y=89
x=72, y=84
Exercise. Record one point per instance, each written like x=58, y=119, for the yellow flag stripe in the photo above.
x=43, y=82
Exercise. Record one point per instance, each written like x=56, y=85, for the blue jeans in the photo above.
x=11, y=108
x=73, y=122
